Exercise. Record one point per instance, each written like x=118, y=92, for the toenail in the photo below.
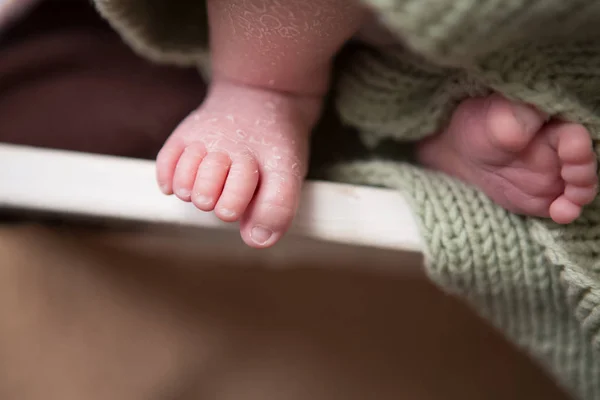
x=165, y=189
x=260, y=235
x=183, y=193
x=203, y=200
x=227, y=213
x=528, y=117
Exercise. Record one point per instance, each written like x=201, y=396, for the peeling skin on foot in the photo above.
x=254, y=145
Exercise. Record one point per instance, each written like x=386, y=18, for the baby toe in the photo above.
x=166, y=162
x=185, y=171
x=573, y=143
x=583, y=175
x=564, y=211
x=581, y=195
x=272, y=210
x=239, y=189
x=511, y=125
x=210, y=179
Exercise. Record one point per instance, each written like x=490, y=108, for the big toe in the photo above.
x=272, y=210
x=497, y=127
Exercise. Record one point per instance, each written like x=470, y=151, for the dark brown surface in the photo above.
x=79, y=320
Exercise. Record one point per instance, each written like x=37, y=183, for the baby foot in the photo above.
x=521, y=162
x=243, y=154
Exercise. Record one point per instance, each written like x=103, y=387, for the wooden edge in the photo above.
x=62, y=182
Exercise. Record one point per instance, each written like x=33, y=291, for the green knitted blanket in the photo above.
x=536, y=281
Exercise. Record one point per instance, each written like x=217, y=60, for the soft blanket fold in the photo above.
x=536, y=281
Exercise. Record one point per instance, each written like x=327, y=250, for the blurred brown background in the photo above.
x=99, y=315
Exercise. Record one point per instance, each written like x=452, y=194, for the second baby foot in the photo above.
x=512, y=154
x=243, y=154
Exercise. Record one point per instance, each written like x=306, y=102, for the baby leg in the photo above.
x=244, y=152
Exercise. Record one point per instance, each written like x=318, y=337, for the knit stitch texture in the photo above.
x=538, y=282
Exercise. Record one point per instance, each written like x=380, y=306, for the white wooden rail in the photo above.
x=113, y=187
